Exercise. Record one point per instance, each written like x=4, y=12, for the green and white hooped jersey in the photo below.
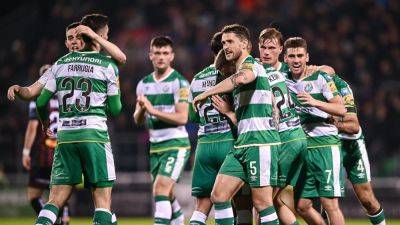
x=253, y=109
x=82, y=81
x=288, y=118
x=348, y=97
x=314, y=121
x=213, y=126
x=163, y=95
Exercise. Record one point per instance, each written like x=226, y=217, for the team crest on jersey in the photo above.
x=308, y=87
x=165, y=89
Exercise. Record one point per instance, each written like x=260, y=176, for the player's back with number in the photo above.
x=83, y=80
x=86, y=84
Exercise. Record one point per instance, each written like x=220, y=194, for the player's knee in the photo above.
x=219, y=196
x=261, y=204
x=278, y=201
x=302, y=207
x=330, y=205
x=162, y=187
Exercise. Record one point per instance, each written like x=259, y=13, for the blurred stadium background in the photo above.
x=359, y=38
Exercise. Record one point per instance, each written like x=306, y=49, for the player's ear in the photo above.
x=65, y=42
x=151, y=56
x=172, y=56
x=280, y=49
x=307, y=57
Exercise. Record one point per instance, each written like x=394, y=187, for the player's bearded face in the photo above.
x=270, y=49
x=232, y=46
x=73, y=42
x=161, y=57
x=297, y=59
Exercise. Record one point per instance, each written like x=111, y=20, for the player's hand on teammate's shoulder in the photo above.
x=11, y=92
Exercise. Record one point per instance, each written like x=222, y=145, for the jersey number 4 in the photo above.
x=78, y=85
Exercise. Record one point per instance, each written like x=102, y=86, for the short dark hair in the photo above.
x=215, y=43
x=270, y=33
x=241, y=31
x=161, y=41
x=72, y=25
x=95, y=22
x=295, y=42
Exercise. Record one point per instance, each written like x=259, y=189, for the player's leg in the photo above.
x=261, y=164
x=99, y=171
x=371, y=205
x=306, y=190
x=202, y=184
x=306, y=210
x=357, y=166
x=290, y=162
x=329, y=175
x=102, y=203
x=335, y=215
x=59, y=194
x=224, y=189
x=66, y=171
x=208, y=160
x=283, y=202
x=230, y=178
x=177, y=217
x=39, y=180
x=35, y=198
x=166, y=168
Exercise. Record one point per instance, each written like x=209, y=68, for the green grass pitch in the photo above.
x=145, y=221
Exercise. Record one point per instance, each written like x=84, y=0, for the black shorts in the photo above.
x=39, y=177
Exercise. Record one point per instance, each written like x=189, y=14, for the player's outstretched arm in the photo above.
x=114, y=51
x=114, y=105
x=348, y=124
x=24, y=93
x=238, y=79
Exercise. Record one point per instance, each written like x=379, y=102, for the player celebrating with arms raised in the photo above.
x=162, y=102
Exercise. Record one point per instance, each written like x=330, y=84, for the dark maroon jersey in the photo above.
x=43, y=148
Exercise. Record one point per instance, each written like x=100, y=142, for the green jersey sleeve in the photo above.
x=112, y=80
x=346, y=92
